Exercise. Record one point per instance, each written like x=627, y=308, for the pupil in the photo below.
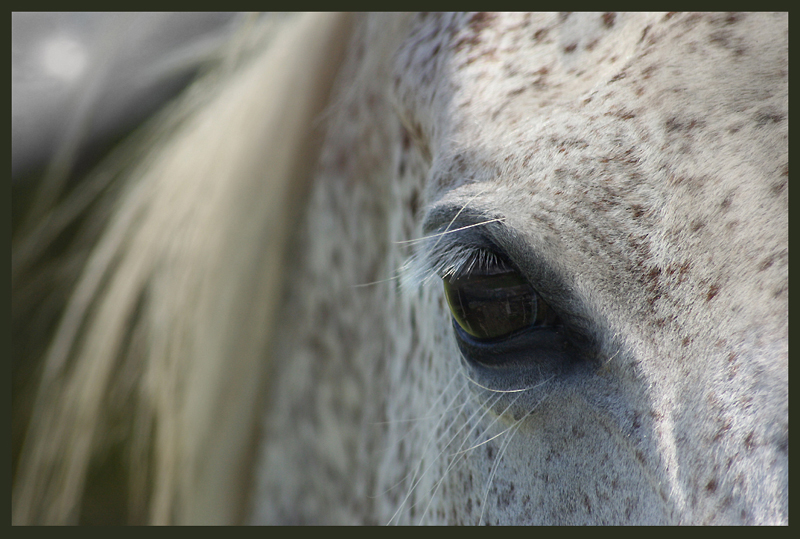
x=488, y=306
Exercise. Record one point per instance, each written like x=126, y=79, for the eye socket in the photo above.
x=496, y=302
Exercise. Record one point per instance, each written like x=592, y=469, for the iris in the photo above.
x=495, y=302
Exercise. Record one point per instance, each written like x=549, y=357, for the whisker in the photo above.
x=611, y=358
x=485, y=441
x=453, y=220
x=424, y=472
x=439, y=236
x=431, y=440
x=451, y=462
x=459, y=451
x=508, y=390
x=447, y=408
x=503, y=449
x=442, y=393
x=449, y=231
x=373, y=283
x=414, y=481
x=406, y=265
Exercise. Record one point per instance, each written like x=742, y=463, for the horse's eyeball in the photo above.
x=493, y=304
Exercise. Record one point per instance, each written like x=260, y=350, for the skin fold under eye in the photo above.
x=495, y=302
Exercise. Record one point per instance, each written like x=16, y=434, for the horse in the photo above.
x=428, y=269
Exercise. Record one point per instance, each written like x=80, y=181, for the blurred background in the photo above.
x=79, y=80
x=80, y=84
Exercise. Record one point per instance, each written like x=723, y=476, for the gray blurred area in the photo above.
x=81, y=79
x=80, y=82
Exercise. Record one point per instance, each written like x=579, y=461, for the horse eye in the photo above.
x=496, y=303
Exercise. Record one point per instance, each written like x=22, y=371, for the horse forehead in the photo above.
x=665, y=137
x=668, y=124
x=679, y=85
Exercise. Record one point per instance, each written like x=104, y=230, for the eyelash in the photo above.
x=449, y=260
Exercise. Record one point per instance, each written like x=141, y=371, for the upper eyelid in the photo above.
x=452, y=218
x=442, y=217
x=454, y=234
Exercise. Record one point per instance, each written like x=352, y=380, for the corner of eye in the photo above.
x=415, y=273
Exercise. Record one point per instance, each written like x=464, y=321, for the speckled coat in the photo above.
x=634, y=167
x=255, y=327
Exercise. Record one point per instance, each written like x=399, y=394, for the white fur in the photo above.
x=632, y=164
